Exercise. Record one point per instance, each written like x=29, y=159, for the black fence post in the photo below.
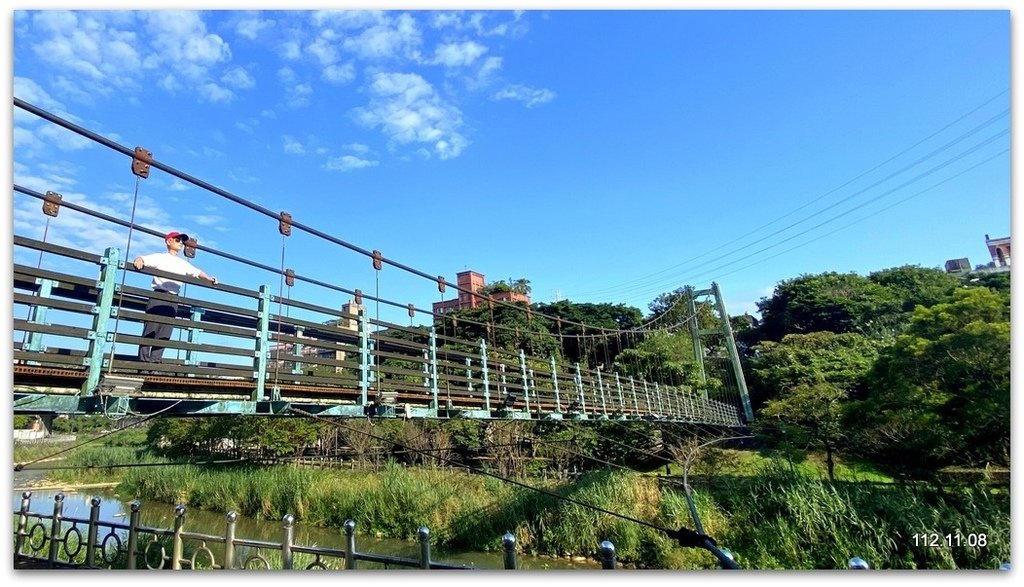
x=508, y=542
x=424, y=535
x=607, y=550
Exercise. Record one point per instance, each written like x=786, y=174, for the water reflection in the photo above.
x=77, y=504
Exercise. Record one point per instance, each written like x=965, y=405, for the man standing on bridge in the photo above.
x=168, y=262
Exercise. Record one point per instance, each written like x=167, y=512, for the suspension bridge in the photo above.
x=248, y=349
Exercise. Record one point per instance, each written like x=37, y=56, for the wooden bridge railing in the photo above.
x=249, y=347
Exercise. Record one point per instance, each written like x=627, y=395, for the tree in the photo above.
x=520, y=286
x=996, y=280
x=806, y=382
x=803, y=359
x=941, y=394
x=812, y=413
x=663, y=357
x=673, y=308
x=916, y=285
x=834, y=302
x=592, y=346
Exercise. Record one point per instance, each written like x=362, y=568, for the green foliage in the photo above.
x=786, y=521
x=917, y=286
x=800, y=359
x=663, y=357
x=673, y=309
x=998, y=281
x=78, y=423
x=941, y=394
x=836, y=302
x=512, y=329
x=520, y=285
x=22, y=422
x=581, y=345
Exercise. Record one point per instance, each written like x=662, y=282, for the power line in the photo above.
x=646, y=280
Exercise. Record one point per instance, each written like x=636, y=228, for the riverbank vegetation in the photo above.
x=773, y=512
x=881, y=430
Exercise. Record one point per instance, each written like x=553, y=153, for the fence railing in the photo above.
x=240, y=346
x=53, y=540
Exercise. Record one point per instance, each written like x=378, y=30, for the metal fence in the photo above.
x=53, y=540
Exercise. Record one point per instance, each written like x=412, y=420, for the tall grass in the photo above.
x=774, y=518
x=784, y=520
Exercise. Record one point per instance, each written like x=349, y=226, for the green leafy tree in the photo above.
x=672, y=309
x=803, y=359
x=811, y=414
x=833, y=302
x=663, y=357
x=997, y=281
x=604, y=336
x=941, y=394
x=916, y=285
x=806, y=383
x=502, y=326
x=521, y=286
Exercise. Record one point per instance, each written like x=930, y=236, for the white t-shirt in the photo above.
x=171, y=264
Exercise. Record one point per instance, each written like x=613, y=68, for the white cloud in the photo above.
x=24, y=138
x=348, y=163
x=458, y=54
x=286, y=75
x=292, y=146
x=206, y=219
x=487, y=73
x=211, y=92
x=395, y=37
x=63, y=139
x=408, y=110
x=529, y=96
x=180, y=41
x=31, y=92
x=324, y=47
x=358, y=148
x=340, y=74
x=238, y=78
x=98, y=54
x=178, y=186
x=250, y=28
x=484, y=24
x=298, y=95
x=88, y=46
x=348, y=19
x=291, y=50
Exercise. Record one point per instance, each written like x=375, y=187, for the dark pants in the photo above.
x=156, y=330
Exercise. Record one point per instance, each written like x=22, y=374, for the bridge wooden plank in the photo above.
x=55, y=329
x=55, y=356
x=70, y=306
x=38, y=245
x=146, y=293
x=27, y=273
x=333, y=312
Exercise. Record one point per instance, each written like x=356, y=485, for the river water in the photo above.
x=161, y=515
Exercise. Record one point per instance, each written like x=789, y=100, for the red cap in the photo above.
x=176, y=235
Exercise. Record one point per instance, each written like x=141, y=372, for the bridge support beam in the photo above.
x=364, y=358
x=37, y=315
x=554, y=382
x=484, y=377
x=433, y=368
x=98, y=336
x=262, y=342
x=734, y=356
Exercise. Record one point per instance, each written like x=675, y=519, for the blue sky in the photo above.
x=605, y=155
